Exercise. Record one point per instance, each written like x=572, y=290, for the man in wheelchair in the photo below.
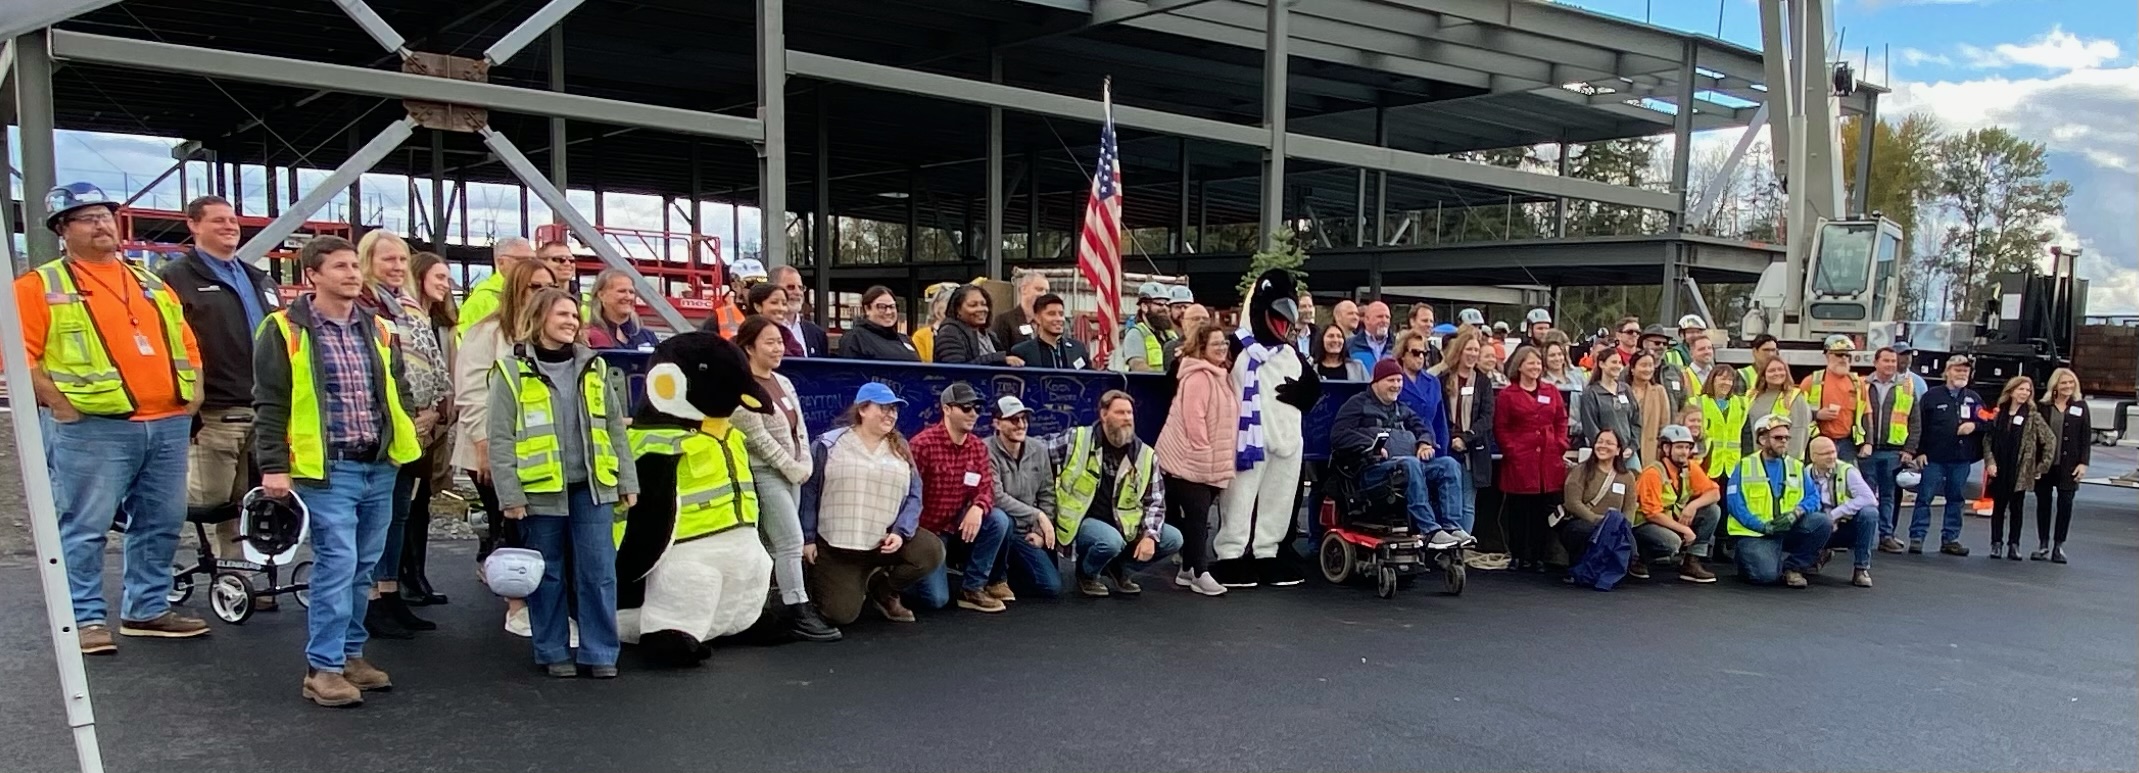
x=1377, y=441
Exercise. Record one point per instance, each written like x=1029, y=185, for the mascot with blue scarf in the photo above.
x=1277, y=387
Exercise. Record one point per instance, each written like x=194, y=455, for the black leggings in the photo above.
x=1523, y=517
x=1188, y=508
x=2004, y=503
x=2060, y=483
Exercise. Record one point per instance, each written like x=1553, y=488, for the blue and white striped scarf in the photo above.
x=1248, y=444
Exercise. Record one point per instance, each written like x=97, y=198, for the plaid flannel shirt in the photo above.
x=944, y=467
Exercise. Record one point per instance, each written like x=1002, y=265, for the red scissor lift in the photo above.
x=687, y=267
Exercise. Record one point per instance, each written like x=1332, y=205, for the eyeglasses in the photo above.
x=883, y=307
x=1019, y=420
x=93, y=218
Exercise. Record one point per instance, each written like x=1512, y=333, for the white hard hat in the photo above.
x=513, y=572
x=1181, y=294
x=1471, y=317
x=1152, y=291
x=1908, y=479
x=1537, y=315
x=748, y=269
x=1771, y=421
x=1692, y=322
x=1676, y=433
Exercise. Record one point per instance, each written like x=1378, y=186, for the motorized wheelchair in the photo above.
x=1367, y=533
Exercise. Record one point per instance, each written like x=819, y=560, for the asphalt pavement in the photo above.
x=1949, y=664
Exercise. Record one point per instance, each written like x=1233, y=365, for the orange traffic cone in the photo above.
x=1983, y=504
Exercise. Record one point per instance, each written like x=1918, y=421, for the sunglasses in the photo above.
x=965, y=407
x=1415, y=353
x=1630, y=332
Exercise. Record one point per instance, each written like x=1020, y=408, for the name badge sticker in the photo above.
x=1025, y=330
x=972, y=479
x=1079, y=365
x=2019, y=420
x=1622, y=399
x=2074, y=410
x=1543, y=400
x=1466, y=391
x=1619, y=488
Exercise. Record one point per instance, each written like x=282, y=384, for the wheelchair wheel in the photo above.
x=231, y=598
x=1337, y=558
x=1386, y=588
x=301, y=583
x=181, y=585
x=1452, y=573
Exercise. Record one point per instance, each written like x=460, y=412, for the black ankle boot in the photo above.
x=381, y=623
x=804, y=623
x=405, y=616
x=2057, y=553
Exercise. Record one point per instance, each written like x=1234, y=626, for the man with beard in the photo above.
x=1143, y=347
x=1110, y=503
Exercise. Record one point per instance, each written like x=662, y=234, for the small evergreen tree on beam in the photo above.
x=1285, y=252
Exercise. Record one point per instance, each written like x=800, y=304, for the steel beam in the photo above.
x=1276, y=37
x=509, y=155
x=438, y=191
x=1105, y=12
x=1422, y=165
x=165, y=57
x=1681, y=157
x=343, y=176
x=1180, y=238
x=559, y=145
x=773, y=64
x=1713, y=193
x=548, y=17
x=34, y=112
x=374, y=26
x=994, y=169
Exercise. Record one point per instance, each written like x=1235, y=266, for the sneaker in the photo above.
x=1916, y=547
x=516, y=623
x=1892, y=545
x=562, y=670
x=1463, y=538
x=1443, y=540
x=96, y=640
x=1794, y=579
x=602, y=672
x=1207, y=586
x=1952, y=549
x=980, y=601
x=169, y=625
x=331, y=689
x=2040, y=554
x=889, y=605
x=1091, y=586
x=365, y=676
x=1861, y=578
x=1000, y=591
x=1638, y=569
x=1185, y=578
x=1691, y=570
x=2012, y=551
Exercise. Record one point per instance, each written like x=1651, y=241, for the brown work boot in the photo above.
x=1794, y=578
x=889, y=605
x=1691, y=570
x=96, y=640
x=1861, y=578
x=1091, y=586
x=365, y=676
x=979, y=601
x=331, y=689
x=169, y=625
x=1000, y=591
x=1638, y=568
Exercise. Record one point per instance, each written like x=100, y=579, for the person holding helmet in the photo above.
x=1676, y=504
x=939, y=297
x=113, y=362
x=1848, y=500
x=1835, y=397
x=1780, y=531
x=1143, y=346
x=1537, y=324
x=1691, y=327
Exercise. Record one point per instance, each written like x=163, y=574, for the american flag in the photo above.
x=1099, y=251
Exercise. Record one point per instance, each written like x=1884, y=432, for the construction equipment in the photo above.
x=688, y=268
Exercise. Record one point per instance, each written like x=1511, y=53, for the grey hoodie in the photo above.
x=1024, y=485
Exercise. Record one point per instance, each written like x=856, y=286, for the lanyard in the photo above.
x=132, y=318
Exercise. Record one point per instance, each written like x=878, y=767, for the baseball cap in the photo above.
x=1387, y=368
x=1181, y=294
x=1902, y=347
x=1009, y=406
x=1537, y=315
x=876, y=393
x=1444, y=329
x=959, y=393
x=1152, y=291
x=1839, y=343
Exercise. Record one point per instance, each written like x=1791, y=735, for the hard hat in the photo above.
x=513, y=572
x=1908, y=479
x=1676, y=433
x=940, y=288
x=1471, y=317
x=1692, y=322
x=1656, y=331
x=1500, y=327
x=1839, y=343
x=1181, y=294
x=273, y=527
x=748, y=270
x=1537, y=315
x=1444, y=329
x=1152, y=291
x=67, y=198
x=1771, y=421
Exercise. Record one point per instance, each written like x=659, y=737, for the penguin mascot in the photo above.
x=689, y=564
x=1276, y=387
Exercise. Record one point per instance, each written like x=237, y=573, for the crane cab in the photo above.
x=1851, y=280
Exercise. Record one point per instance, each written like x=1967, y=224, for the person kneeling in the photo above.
x=861, y=514
x=1108, y=490
x=1372, y=425
x=1779, y=532
x=1678, y=511
x=958, y=505
x=1846, y=498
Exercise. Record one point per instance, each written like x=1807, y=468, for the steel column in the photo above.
x=1866, y=135
x=1681, y=153
x=994, y=215
x=1381, y=178
x=357, y=164
x=438, y=191
x=1180, y=239
x=40, y=171
x=509, y=155
x=1559, y=205
x=821, y=256
x=1275, y=59
x=772, y=121
x=1032, y=206
x=559, y=144
x=356, y=190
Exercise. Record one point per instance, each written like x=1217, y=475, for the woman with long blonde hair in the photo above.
x=484, y=341
x=2073, y=425
x=394, y=295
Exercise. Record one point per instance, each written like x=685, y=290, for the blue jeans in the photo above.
x=1099, y=544
x=1879, y=470
x=1859, y=535
x=1468, y=495
x=934, y=590
x=98, y=467
x=389, y=566
x=587, y=535
x=1947, y=479
x=1762, y=560
x=349, y=515
x=1028, y=569
x=1432, y=489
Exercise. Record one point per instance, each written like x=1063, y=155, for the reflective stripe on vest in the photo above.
x=307, y=432
x=1154, y=349
x=1673, y=490
x=1725, y=423
x=1903, y=393
x=79, y=359
x=1816, y=383
x=536, y=449
x=714, y=490
x=1079, y=482
x=728, y=319
x=1752, y=483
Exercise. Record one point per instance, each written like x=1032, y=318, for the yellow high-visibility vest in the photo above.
x=1897, y=420
x=1079, y=482
x=1753, y=485
x=307, y=432
x=714, y=489
x=535, y=442
x=75, y=355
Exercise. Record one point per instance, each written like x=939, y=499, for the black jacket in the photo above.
x=1364, y=417
x=815, y=343
x=1935, y=425
x=218, y=320
x=1011, y=328
x=870, y=341
x=1067, y=353
x=957, y=343
x=1477, y=455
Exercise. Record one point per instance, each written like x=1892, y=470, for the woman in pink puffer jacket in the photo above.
x=1196, y=448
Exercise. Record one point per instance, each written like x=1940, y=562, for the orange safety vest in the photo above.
x=729, y=318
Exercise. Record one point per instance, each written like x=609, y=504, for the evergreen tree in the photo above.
x=1285, y=252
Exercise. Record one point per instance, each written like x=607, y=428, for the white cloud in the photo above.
x=1916, y=56
x=2054, y=50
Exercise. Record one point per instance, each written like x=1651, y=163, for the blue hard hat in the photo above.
x=876, y=393
x=72, y=196
x=1444, y=329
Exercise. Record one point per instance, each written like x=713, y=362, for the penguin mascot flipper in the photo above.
x=678, y=591
x=1256, y=510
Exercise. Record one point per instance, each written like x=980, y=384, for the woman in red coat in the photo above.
x=1530, y=422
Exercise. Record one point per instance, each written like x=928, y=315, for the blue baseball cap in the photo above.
x=1444, y=329
x=876, y=393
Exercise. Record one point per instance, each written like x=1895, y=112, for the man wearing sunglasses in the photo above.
x=958, y=504
x=1025, y=490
